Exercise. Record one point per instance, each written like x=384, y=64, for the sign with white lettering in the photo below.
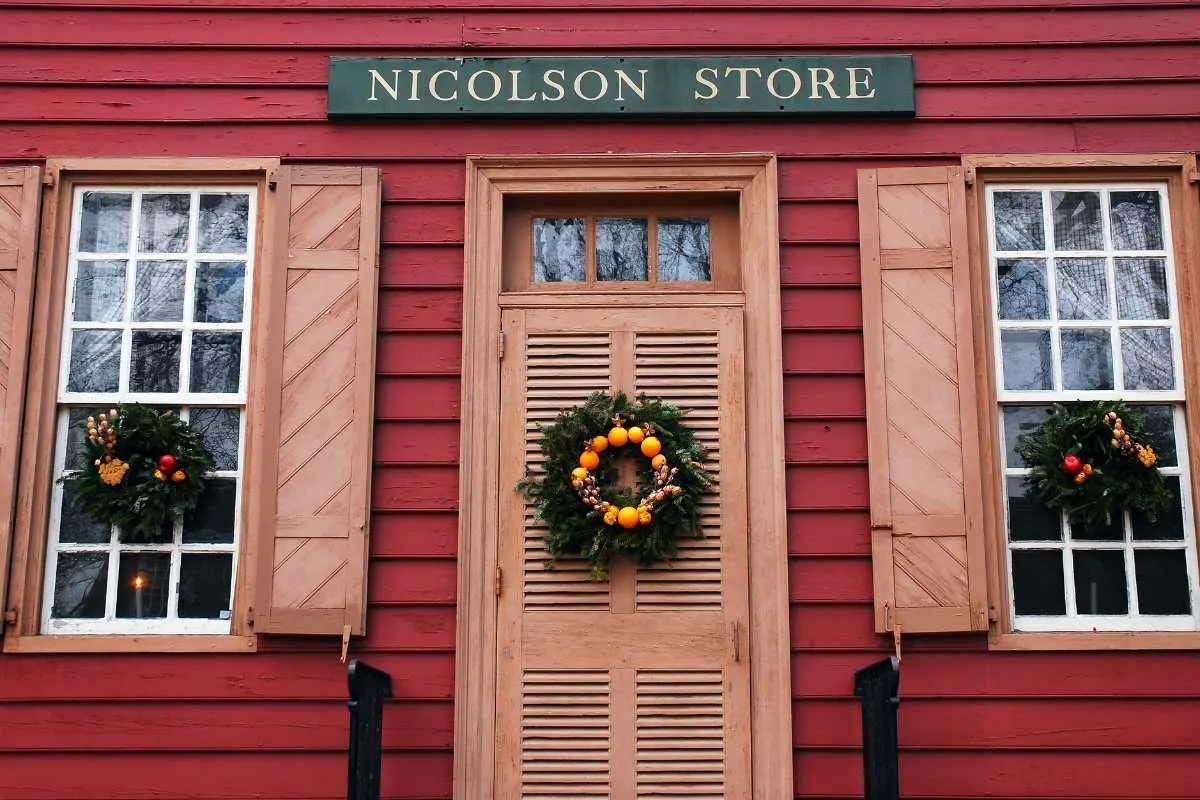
x=810, y=85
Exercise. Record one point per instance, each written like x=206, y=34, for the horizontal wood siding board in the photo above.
x=217, y=78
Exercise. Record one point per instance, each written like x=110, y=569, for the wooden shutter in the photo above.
x=638, y=687
x=20, y=200
x=313, y=403
x=923, y=433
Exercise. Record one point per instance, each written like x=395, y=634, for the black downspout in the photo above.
x=878, y=688
x=369, y=688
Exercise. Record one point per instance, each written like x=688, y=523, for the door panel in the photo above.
x=637, y=687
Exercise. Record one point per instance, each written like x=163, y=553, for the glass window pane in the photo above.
x=80, y=583
x=1160, y=426
x=1162, y=582
x=1021, y=287
x=216, y=362
x=1142, y=288
x=104, y=222
x=205, y=585
x=164, y=535
x=1146, y=358
x=1113, y=532
x=1019, y=420
x=1038, y=582
x=77, y=434
x=621, y=247
x=1018, y=218
x=1026, y=359
x=1077, y=223
x=1136, y=221
x=559, y=253
x=220, y=291
x=154, y=362
x=164, y=223
x=95, y=361
x=99, y=291
x=1100, y=582
x=76, y=527
x=221, y=429
x=143, y=581
x=1087, y=359
x=684, y=250
x=1082, y=288
x=1029, y=520
x=1169, y=525
x=158, y=291
x=211, y=522
x=224, y=221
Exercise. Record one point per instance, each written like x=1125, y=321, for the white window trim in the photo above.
x=170, y=625
x=1072, y=621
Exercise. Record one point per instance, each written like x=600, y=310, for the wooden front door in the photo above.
x=638, y=687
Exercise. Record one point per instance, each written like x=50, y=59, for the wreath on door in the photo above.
x=574, y=490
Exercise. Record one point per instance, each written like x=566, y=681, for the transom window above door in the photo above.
x=618, y=245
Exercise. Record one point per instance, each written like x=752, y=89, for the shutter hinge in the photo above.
x=500, y=344
x=1193, y=176
x=499, y=580
x=250, y=617
x=272, y=179
x=10, y=617
x=50, y=179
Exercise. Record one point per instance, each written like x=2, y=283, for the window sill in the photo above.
x=102, y=643
x=1106, y=640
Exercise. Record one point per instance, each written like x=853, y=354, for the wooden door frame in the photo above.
x=752, y=177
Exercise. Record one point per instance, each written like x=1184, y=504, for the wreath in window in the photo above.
x=575, y=493
x=1093, y=461
x=140, y=468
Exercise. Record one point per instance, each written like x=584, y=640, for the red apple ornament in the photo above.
x=1072, y=464
x=166, y=463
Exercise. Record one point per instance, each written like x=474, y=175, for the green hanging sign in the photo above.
x=619, y=86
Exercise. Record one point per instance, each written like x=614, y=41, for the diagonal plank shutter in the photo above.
x=926, y=503
x=314, y=404
x=20, y=198
x=637, y=687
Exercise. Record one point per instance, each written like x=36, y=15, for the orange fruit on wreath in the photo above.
x=589, y=460
x=627, y=517
x=636, y=434
x=617, y=437
x=658, y=461
x=651, y=446
x=599, y=444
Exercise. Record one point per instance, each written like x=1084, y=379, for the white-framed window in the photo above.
x=157, y=312
x=1085, y=308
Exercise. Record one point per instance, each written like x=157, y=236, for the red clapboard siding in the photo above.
x=243, y=774
x=219, y=78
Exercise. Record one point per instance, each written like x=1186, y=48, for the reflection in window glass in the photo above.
x=164, y=323
x=621, y=249
x=1021, y=286
x=684, y=250
x=559, y=253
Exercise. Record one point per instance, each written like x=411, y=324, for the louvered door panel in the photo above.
x=637, y=687
x=683, y=369
x=565, y=735
x=680, y=736
x=561, y=371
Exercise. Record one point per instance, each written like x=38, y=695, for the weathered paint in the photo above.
x=213, y=78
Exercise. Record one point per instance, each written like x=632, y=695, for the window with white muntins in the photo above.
x=1085, y=308
x=157, y=312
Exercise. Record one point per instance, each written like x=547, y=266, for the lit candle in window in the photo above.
x=138, y=583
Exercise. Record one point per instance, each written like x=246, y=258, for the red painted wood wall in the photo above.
x=246, y=77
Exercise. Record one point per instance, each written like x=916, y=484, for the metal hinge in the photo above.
x=500, y=343
x=499, y=580
x=10, y=617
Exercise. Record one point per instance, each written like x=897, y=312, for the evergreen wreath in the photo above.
x=1093, y=461
x=140, y=468
x=575, y=495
